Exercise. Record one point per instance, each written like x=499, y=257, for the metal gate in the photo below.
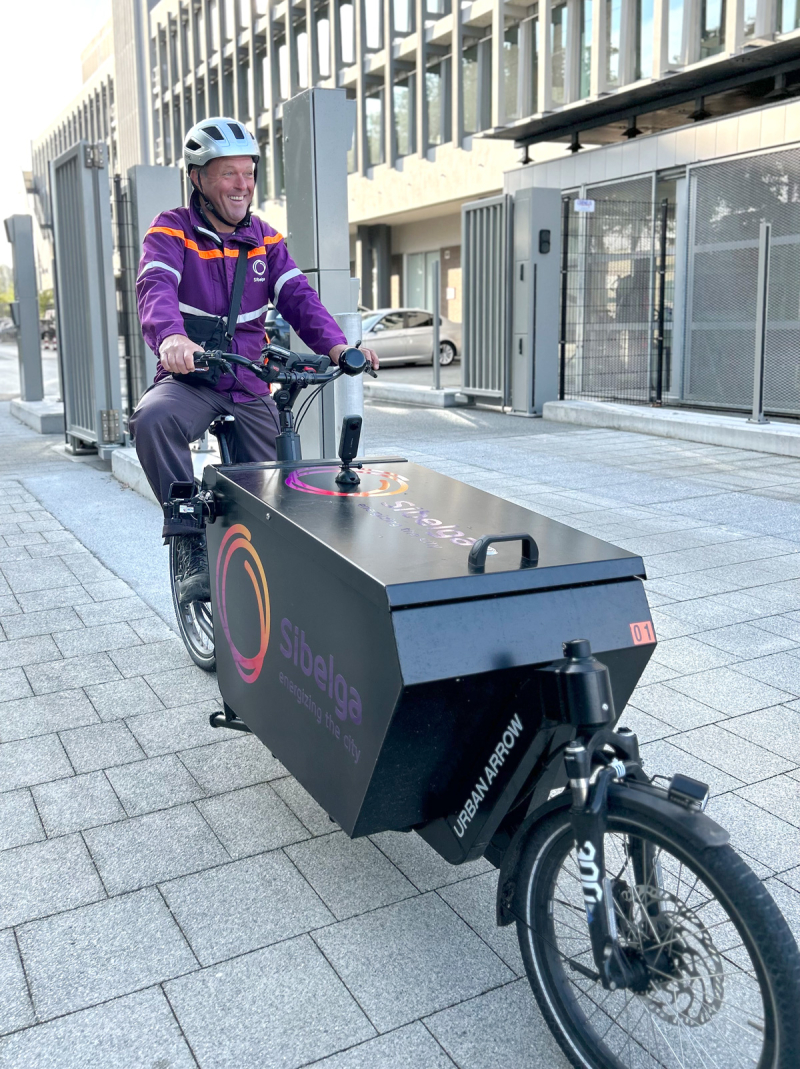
x=728, y=202
x=617, y=296
x=486, y=249
x=87, y=314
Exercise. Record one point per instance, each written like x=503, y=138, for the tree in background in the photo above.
x=6, y=290
x=46, y=302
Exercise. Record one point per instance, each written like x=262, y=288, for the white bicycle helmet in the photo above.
x=215, y=137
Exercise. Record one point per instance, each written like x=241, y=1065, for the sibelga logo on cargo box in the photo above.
x=238, y=540
x=319, y=480
x=324, y=670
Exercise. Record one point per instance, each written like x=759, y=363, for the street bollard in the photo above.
x=762, y=312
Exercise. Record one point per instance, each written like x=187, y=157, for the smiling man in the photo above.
x=184, y=288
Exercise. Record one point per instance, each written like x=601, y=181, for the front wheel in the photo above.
x=447, y=353
x=195, y=622
x=722, y=969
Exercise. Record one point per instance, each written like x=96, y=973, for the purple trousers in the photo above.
x=172, y=414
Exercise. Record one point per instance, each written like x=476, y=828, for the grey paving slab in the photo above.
x=771, y=841
x=231, y=764
x=87, y=640
x=134, y=1032
x=110, y=612
x=58, y=876
x=312, y=815
x=28, y=651
x=180, y=686
x=656, y=673
x=169, y=730
x=410, y=1047
x=108, y=590
x=63, y=548
x=99, y=952
x=13, y=553
x=14, y=684
x=674, y=708
x=351, y=876
x=16, y=1010
x=421, y=864
x=155, y=783
x=152, y=629
x=667, y=626
x=791, y=878
x=410, y=959
x=311, y=1012
x=502, y=1029
x=776, y=729
x=782, y=625
x=647, y=728
x=121, y=698
x=42, y=714
x=9, y=606
x=100, y=746
x=745, y=640
x=780, y=670
x=779, y=796
x=80, y=802
x=24, y=576
x=251, y=820
x=728, y=690
x=71, y=672
x=88, y=569
x=664, y=759
x=261, y=900
x=41, y=623
x=19, y=821
x=151, y=658
x=22, y=764
x=736, y=756
x=690, y=655
x=55, y=598
x=158, y=846
x=475, y=901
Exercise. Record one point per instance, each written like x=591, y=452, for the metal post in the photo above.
x=762, y=311
x=562, y=371
x=25, y=307
x=437, y=300
x=662, y=290
x=348, y=393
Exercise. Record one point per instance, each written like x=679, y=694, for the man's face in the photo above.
x=229, y=183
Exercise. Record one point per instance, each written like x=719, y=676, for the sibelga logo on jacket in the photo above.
x=259, y=270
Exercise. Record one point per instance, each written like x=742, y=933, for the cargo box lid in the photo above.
x=405, y=533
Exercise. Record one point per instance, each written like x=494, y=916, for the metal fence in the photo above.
x=486, y=256
x=728, y=202
x=617, y=298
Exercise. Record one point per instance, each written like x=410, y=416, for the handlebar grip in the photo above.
x=477, y=554
x=352, y=361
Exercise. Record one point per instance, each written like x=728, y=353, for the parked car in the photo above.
x=277, y=329
x=405, y=336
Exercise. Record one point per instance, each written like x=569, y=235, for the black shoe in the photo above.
x=195, y=582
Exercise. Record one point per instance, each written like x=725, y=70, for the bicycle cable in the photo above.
x=305, y=406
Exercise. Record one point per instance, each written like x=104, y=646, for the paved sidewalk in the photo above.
x=171, y=898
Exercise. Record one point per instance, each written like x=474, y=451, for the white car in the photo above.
x=405, y=336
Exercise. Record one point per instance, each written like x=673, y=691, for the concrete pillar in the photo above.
x=25, y=308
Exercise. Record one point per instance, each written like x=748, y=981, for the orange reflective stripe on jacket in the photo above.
x=215, y=254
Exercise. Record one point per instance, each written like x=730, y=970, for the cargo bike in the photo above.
x=427, y=658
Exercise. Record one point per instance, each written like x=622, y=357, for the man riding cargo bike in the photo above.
x=207, y=277
x=414, y=664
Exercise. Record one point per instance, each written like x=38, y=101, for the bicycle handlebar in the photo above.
x=290, y=369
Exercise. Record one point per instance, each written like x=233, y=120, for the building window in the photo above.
x=585, y=71
x=419, y=280
x=323, y=43
x=403, y=16
x=789, y=15
x=347, y=33
x=263, y=172
x=213, y=18
x=712, y=27
x=280, y=184
x=372, y=21
x=476, y=73
x=173, y=55
x=374, y=118
x=644, y=38
x=301, y=44
x=230, y=19
x=200, y=33
x=283, y=71
x=403, y=105
x=675, y=35
x=436, y=87
x=435, y=8
x=558, y=46
x=532, y=44
x=185, y=44
x=261, y=7
x=613, y=39
x=511, y=71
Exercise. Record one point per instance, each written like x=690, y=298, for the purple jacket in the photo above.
x=186, y=267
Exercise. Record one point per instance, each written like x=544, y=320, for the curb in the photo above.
x=44, y=417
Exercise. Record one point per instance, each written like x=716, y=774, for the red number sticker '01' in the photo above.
x=643, y=633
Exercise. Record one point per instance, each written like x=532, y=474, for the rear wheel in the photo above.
x=447, y=353
x=194, y=617
x=722, y=970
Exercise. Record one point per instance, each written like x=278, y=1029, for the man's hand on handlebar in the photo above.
x=370, y=354
x=176, y=353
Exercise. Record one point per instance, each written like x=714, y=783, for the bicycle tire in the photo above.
x=565, y=995
x=195, y=621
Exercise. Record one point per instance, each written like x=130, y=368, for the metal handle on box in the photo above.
x=477, y=553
